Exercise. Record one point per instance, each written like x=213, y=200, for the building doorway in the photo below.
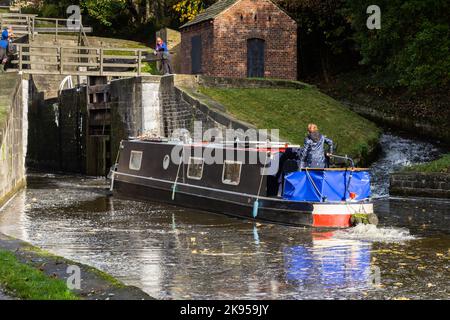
x=255, y=58
x=196, y=54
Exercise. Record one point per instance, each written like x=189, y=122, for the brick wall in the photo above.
x=436, y=185
x=206, y=30
x=225, y=49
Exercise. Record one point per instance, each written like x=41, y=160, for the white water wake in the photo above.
x=369, y=232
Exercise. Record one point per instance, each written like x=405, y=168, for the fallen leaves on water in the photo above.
x=389, y=251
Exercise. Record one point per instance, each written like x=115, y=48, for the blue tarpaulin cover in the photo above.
x=332, y=185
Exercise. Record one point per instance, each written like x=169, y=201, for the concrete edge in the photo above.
x=11, y=193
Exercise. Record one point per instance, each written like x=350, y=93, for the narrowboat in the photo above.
x=257, y=181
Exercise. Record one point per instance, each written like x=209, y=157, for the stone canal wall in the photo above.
x=56, y=130
x=13, y=137
x=435, y=185
x=80, y=129
x=161, y=105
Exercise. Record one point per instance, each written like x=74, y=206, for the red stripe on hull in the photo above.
x=332, y=220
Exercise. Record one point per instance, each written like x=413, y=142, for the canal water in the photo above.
x=176, y=253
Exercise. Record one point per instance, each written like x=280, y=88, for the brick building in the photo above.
x=240, y=38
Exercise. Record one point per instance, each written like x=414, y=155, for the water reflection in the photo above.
x=329, y=263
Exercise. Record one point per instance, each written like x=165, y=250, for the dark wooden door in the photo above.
x=196, y=54
x=255, y=58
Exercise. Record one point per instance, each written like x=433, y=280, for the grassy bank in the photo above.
x=26, y=282
x=440, y=165
x=149, y=67
x=290, y=111
x=30, y=273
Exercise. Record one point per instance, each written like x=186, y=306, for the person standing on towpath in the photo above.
x=4, y=44
x=163, y=53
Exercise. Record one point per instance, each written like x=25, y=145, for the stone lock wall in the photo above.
x=56, y=131
x=224, y=41
x=13, y=138
x=435, y=185
x=135, y=108
x=156, y=105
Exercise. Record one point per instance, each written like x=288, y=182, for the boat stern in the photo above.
x=343, y=215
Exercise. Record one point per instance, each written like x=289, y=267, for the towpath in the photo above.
x=94, y=284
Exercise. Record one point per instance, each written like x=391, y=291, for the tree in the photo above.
x=324, y=32
x=413, y=43
x=188, y=9
x=104, y=11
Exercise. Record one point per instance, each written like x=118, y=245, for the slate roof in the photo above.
x=210, y=12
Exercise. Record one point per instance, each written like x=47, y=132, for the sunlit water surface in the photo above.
x=176, y=253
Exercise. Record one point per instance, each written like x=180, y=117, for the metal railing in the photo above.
x=81, y=60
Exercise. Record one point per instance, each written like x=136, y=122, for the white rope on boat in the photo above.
x=178, y=172
x=256, y=203
x=314, y=185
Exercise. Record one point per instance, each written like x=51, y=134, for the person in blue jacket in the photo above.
x=312, y=155
x=163, y=53
x=4, y=43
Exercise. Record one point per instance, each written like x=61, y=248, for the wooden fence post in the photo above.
x=101, y=61
x=139, y=62
x=56, y=31
x=33, y=22
x=61, y=60
x=20, y=57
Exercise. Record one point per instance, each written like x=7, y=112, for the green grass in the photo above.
x=150, y=67
x=118, y=43
x=290, y=111
x=147, y=67
x=26, y=282
x=105, y=276
x=440, y=165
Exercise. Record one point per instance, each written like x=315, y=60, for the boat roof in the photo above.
x=260, y=146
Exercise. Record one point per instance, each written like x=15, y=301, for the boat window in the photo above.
x=231, y=172
x=135, y=160
x=195, y=168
